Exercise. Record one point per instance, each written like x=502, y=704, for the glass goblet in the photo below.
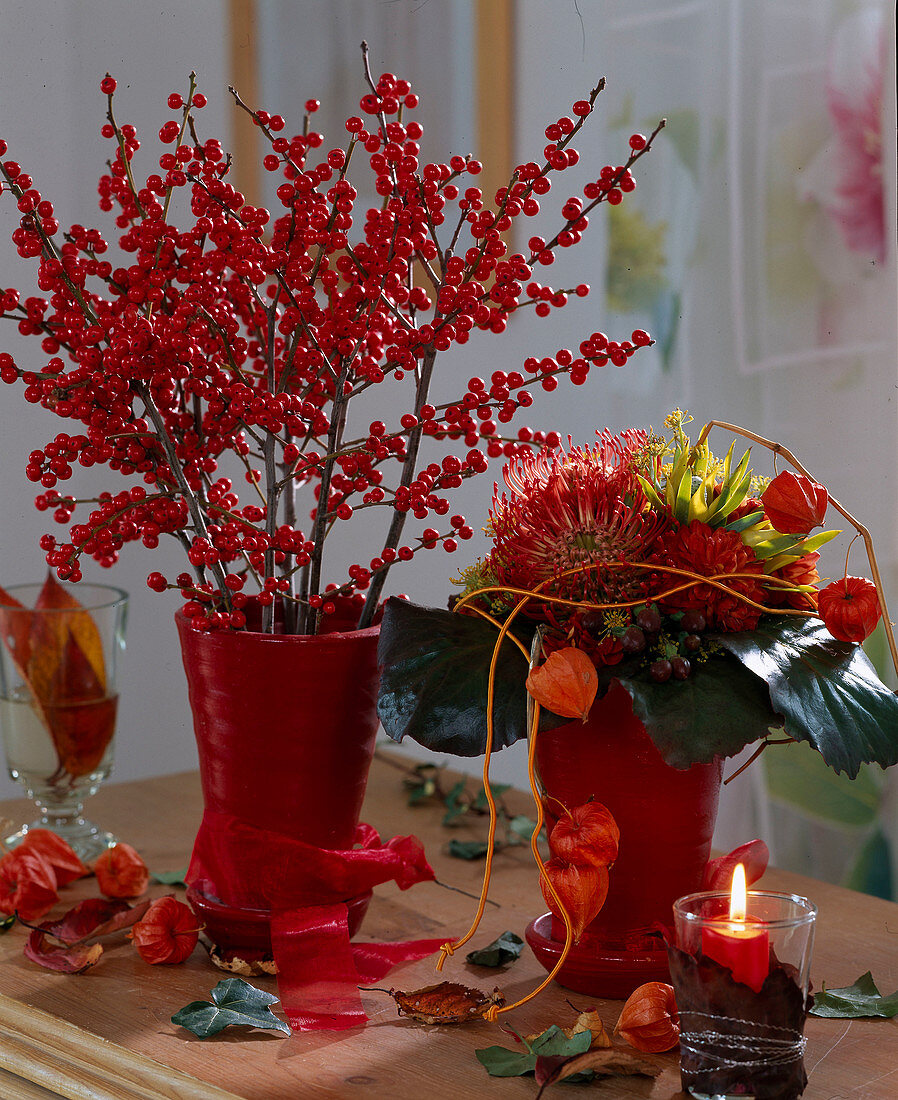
x=58, y=699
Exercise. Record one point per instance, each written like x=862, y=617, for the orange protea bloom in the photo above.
x=583, y=506
x=710, y=551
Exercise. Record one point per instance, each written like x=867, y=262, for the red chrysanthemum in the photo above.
x=583, y=506
x=711, y=551
x=802, y=571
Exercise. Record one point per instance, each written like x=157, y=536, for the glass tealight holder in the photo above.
x=742, y=994
x=58, y=702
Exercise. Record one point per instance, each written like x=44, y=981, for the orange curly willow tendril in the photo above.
x=779, y=449
x=718, y=581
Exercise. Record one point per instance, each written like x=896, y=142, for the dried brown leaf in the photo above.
x=445, y=1003
x=602, y=1062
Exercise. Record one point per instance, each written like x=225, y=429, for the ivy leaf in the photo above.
x=234, y=1001
x=500, y=1062
x=170, y=878
x=855, y=1001
x=827, y=691
x=521, y=826
x=435, y=670
x=456, y=805
x=503, y=950
x=498, y=789
x=468, y=849
x=422, y=785
x=553, y=1042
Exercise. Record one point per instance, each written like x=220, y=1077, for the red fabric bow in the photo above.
x=306, y=888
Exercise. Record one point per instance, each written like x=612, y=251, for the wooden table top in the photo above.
x=107, y=1035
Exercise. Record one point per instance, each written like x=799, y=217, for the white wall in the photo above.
x=840, y=417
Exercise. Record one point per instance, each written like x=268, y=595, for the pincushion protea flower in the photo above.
x=575, y=507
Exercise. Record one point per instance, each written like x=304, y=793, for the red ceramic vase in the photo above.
x=666, y=819
x=285, y=727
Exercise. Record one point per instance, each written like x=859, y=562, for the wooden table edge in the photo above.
x=79, y=1065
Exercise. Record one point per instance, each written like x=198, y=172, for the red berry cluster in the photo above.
x=247, y=339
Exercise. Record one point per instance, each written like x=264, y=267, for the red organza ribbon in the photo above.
x=306, y=888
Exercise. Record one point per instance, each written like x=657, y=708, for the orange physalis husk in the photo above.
x=849, y=608
x=566, y=683
x=57, y=852
x=586, y=834
x=649, y=1020
x=794, y=504
x=168, y=932
x=121, y=873
x=582, y=889
x=445, y=1003
x=27, y=884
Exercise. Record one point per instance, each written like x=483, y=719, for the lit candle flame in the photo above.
x=738, y=896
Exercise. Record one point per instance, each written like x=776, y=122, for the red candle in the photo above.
x=742, y=943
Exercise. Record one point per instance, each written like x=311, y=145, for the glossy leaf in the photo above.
x=827, y=691
x=435, y=670
x=234, y=1002
x=503, y=950
x=717, y=711
x=855, y=1001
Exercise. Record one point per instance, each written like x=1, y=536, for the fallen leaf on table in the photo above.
x=445, y=1003
x=234, y=1002
x=503, y=950
x=76, y=934
x=468, y=849
x=601, y=1063
x=590, y=1021
x=855, y=1001
x=170, y=878
x=554, y=1043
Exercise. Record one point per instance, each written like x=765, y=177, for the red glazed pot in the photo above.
x=285, y=727
x=666, y=819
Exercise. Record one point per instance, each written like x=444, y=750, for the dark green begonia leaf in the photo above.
x=826, y=690
x=785, y=674
x=435, y=671
x=717, y=711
